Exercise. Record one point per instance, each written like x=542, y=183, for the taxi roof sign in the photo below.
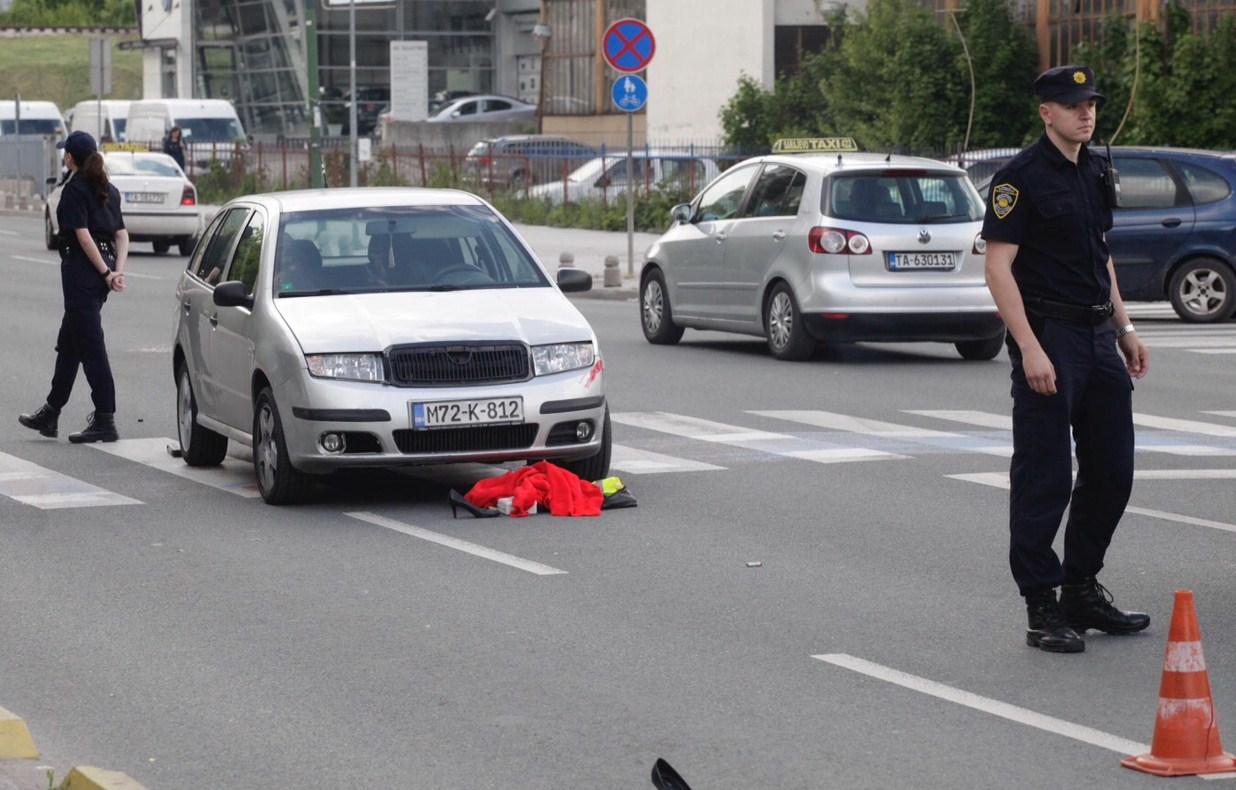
x=815, y=145
x=130, y=147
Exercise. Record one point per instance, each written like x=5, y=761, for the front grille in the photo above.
x=466, y=440
x=445, y=365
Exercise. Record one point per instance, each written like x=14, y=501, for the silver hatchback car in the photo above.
x=801, y=249
x=381, y=327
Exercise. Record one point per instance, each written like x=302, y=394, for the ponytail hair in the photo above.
x=96, y=175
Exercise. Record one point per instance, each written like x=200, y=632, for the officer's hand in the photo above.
x=1136, y=355
x=1040, y=373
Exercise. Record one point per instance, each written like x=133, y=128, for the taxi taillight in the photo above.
x=834, y=241
x=188, y=197
x=980, y=245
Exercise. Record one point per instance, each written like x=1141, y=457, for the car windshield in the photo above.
x=210, y=130
x=590, y=171
x=32, y=126
x=917, y=197
x=149, y=164
x=399, y=248
x=118, y=123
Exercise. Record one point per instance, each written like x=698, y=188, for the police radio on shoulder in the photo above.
x=1127, y=329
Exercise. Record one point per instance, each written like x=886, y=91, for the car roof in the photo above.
x=835, y=163
x=450, y=102
x=180, y=105
x=1167, y=149
x=362, y=197
x=38, y=110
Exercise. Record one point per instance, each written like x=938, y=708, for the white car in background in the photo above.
x=605, y=177
x=484, y=108
x=158, y=202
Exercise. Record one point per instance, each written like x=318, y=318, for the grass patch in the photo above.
x=57, y=68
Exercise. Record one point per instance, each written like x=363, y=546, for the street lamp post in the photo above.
x=541, y=32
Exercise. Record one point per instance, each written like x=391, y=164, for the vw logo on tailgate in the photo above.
x=924, y=236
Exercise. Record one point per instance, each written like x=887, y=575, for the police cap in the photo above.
x=80, y=145
x=1067, y=85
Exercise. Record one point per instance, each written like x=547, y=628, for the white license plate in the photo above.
x=143, y=197
x=902, y=261
x=453, y=413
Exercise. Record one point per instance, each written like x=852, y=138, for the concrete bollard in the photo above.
x=566, y=260
x=613, y=277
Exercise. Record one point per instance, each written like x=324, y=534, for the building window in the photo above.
x=791, y=43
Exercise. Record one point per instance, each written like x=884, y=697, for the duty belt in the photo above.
x=1090, y=315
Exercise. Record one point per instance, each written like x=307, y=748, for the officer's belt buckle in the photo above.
x=1101, y=312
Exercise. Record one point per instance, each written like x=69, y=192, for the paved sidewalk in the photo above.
x=590, y=248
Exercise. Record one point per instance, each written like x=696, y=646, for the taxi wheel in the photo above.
x=198, y=446
x=1203, y=291
x=49, y=237
x=981, y=349
x=161, y=247
x=596, y=467
x=787, y=337
x=278, y=481
x=656, y=317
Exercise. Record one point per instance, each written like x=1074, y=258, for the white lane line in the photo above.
x=1001, y=480
x=9, y=233
x=994, y=707
x=457, y=544
x=749, y=439
x=1231, y=350
x=1191, y=343
x=887, y=430
x=1183, y=426
x=982, y=419
x=232, y=476
x=1231, y=414
x=636, y=461
x=36, y=486
x=28, y=259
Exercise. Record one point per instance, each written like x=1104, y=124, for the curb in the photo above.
x=88, y=777
x=15, y=738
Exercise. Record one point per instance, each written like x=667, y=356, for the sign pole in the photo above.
x=315, y=111
x=632, y=184
x=353, y=146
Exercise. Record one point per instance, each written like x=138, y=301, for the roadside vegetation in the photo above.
x=69, y=13
x=57, y=68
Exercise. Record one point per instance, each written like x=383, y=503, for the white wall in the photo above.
x=160, y=23
x=703, y=46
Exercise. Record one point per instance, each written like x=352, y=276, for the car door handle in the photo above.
x=778, y=235
x=1171, y=222
x=720, y=237
x=214, y=319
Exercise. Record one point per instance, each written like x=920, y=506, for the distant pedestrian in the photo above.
x=173, y=147
x=1054, y=282
x=94, y=247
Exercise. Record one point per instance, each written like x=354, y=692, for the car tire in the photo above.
x=597, y=466
x=185, y=245
x=198, y=446
x=49, y=235
x=787, y=337
x=980, y=349
x=656, y=316
x=278, y=481
x=161, y=247
x=1203, y=291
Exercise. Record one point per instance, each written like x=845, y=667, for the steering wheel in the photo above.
x=457, y=269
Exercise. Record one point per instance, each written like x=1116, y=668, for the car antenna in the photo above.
x=838, y=160
x=888, y=158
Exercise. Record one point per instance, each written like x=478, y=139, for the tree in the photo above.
x=1005, y=64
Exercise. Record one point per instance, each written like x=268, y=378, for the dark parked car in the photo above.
x=520, y=160
x=1175, y=229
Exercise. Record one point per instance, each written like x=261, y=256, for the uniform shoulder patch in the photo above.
x=1003, y=199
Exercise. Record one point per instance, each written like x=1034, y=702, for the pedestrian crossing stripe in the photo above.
x=233, y=476
x=34, y=485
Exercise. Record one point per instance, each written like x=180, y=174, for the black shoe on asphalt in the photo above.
x=45, y=420
x=1089, y=605
x=1048, y=629
x=101, y=427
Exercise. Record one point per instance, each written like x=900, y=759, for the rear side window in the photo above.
x=1145, y=183
x=214, y=260
x=723, y=199
x=903, y=197
x=1205, y=185
x=777, y=193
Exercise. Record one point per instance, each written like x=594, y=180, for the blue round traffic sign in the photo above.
x=630, y=93
x=628, y=45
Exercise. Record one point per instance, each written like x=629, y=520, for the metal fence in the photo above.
x=26, y=162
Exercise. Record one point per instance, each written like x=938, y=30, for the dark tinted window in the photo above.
x=248, y=253
x=723, y=199
x=214, y=260
x=494, y=105
x=777, y=193
x=1205, y=185
x=905, y=197
x=1145, y=183
x=467, y=108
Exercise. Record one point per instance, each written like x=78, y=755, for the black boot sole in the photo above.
x=1034, y=640
x=52, y=434
x=77, y=439
x=1081, y=628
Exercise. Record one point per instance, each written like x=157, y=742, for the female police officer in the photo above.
x=93, y=249
x=1052, y=278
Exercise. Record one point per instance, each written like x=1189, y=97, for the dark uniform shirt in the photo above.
x=79, y=208
x=1056, y=212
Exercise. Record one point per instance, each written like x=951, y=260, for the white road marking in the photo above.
x=636, y=461
x=232, y=476
x=983, y=419
x=36, y=486
x=994, y=707
x=457, y=544
x=1231, y=414
x=1212, y=341
x=1183, y=426
x=1001, y=480
x=1231, y=350
x=886, y=430
x=28, y=259
x=749, y=439
x=9, y=233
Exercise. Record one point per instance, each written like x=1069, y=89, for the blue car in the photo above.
x=1175, y=229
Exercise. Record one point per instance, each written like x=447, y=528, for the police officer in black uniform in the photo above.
x=1054, y=282
x=94, y=247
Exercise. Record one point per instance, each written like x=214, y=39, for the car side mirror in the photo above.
x=681, y=213
x=233, y=294
x=574, y=280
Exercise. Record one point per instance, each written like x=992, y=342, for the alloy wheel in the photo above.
x=184, y=411
x=1203, y=292
x=267, y=450
x=654, y=306
x=780, y=319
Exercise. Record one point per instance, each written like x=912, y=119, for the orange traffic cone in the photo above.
x=1186, y=731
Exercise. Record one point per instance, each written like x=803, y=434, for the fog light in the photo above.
x=333, y=442
x=583, y=431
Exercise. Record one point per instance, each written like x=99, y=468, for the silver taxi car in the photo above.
x=381, y=327
x=806, y=248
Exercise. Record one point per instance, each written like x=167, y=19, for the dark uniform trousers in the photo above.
x=1093, y=398
x=80, y=341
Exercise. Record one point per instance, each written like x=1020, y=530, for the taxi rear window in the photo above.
x=918, y=197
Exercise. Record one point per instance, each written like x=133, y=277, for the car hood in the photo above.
x=374, y=322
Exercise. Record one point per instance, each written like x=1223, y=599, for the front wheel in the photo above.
x=596, y=467
x=198, y=446
x=656, y=317
x=278, y=481
x=1203, y=291
x=788, y=338
x=981, y=349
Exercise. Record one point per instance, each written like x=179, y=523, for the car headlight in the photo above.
x=353, y=367
x=562, y=356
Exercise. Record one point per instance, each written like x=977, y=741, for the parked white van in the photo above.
x=101, y=119
x=209, y=127
x=37, y=117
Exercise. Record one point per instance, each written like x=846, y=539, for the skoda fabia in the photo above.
x=381, y=327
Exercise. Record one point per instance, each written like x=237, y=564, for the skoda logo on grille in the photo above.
x=460, y=356
x=923, y=236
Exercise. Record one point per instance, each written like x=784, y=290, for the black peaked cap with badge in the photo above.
x=1067, y=85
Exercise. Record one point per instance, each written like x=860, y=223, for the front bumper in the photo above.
x=904, y=327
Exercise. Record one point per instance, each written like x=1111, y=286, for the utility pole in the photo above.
x=315, y=109
x=353, y=144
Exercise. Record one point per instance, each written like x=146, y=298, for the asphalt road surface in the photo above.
x=813, y=591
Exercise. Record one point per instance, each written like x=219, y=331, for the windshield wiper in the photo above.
x=319, y=292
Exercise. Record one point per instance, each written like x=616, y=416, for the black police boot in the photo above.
x=101, y=427
x=46, y=420
x=1089, y=605
x=1048, y=629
